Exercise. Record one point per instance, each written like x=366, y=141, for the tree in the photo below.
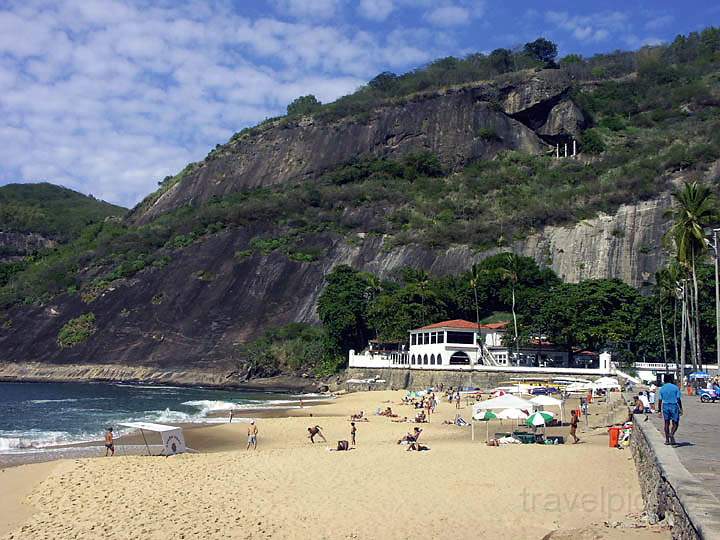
x=501, y=60
x=592, y=142
x=303, y=106
x=342, y=308
x=695, y=210
x=384, y=82
x=542, y=50
x=511, y=272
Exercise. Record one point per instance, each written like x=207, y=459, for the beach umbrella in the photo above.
x=699, y=375
x=512, y=414
x=539, y=418
x=498, y=393
x=486, y=416
x=549, y=401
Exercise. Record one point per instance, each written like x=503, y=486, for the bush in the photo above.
x=76, y=331
x=592, y=142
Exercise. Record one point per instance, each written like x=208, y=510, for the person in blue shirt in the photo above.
x=670, y=406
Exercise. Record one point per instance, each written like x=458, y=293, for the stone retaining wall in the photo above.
x=660, y=477
x=419, y=379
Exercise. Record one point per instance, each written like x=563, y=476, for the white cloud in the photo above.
x=448, y=16
x=109, y=97
x=307, y=9
x=659, y=22
x=376, y=10
x=590, y=28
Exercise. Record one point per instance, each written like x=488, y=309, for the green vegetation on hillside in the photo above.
x=76, y=331
x=655, y=112
x=50, y=210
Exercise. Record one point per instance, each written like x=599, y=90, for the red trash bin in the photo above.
x=614, y=433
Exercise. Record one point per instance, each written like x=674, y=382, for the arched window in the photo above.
x=459, y=359
x=432, y=359
x=412, y=360
x=425, y=359
x=439, y=360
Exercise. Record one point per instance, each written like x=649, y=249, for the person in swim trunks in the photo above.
x=252, y=436
x=109, y=445
x=670, y=407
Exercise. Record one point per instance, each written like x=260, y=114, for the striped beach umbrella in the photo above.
x=539, y=418
x=483, y=416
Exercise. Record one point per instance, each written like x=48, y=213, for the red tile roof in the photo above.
x=463, y=324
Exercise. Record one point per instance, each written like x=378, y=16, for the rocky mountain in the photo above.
x=525, y=111
x=435, y=179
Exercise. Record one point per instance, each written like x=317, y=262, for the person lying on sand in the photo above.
x=389, y=413
x=400, y=420
x=421, y=418
x=313, y=431
x=359, y=417
x=418, y=447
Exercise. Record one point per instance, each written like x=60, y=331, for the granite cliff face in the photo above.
x=523, y=112
x=191, y=316
x=197, y=310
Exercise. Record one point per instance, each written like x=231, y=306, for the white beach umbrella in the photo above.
x=512, y=414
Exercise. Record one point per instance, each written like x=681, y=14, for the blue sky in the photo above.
x=108, y=97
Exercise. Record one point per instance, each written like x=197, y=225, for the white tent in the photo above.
x=508, y=401
x=172, y=437
x=549, y=401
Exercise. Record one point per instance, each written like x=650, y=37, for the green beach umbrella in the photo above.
x=486, y=415
x=539, y=418
x=483, y=416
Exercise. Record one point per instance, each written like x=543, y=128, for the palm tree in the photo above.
x=511, y=272
x=665, y=291
x=475, y=275
x=695, y=210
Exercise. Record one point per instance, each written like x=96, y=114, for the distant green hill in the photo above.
x=49, y=210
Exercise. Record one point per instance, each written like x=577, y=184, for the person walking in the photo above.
x=574, y=425
x=252, y=436
x=670, y=407
x=109, y=444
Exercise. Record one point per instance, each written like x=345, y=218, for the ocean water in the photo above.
x=38, y=415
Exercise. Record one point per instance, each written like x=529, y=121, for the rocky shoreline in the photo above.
x=45, y=372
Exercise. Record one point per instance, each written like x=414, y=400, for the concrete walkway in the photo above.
x=693, y=466
x=698, y=439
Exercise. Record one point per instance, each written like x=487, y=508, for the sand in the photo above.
x=290, y=488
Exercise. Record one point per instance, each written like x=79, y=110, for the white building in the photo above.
x=463, y=345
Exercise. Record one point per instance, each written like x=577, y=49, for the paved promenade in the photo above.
x=698, y=439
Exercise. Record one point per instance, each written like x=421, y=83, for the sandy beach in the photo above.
x=290, y=488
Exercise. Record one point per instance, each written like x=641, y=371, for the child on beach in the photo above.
x=109, y=445
x=252, y=436
x=353, y=431
x=573, y=426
